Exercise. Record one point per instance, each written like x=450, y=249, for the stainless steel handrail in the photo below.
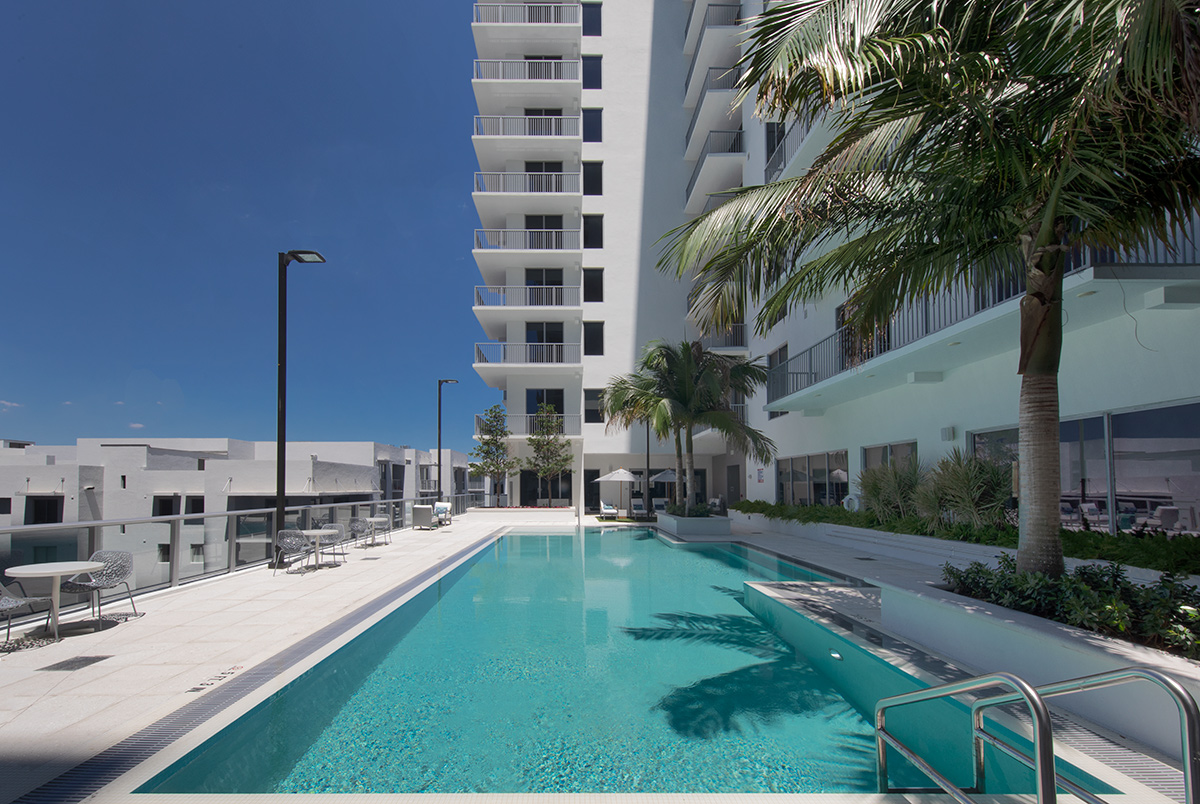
x=1043, y=745
x=1189, y=716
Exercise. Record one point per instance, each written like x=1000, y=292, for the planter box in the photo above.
x=704, y=527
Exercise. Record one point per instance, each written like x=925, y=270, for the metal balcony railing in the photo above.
x=718, y=142
x=723, y=15
x=526, y=70
x=520, y=424
x=739, y=410
x=718, y=78
x=565, y=13
x=527, y=183
x=845, y=349
x=526, y=296
x=785, y=150
x=528, y=353
x=732, y=338
x=519, y=126
x=529, y=239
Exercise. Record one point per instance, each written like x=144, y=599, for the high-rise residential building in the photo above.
x=602, y=126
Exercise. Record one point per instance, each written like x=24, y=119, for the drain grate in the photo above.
x=78, y=663
x=370, y=558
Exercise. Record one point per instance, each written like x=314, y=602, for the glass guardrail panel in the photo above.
x=204, y=546
x=150, y=544
x=16, y=549
x=254, y=540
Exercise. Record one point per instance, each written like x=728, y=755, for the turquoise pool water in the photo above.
x=598, y=662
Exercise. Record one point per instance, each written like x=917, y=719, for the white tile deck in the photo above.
x=203, y=636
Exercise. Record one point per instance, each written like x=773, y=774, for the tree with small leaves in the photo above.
x=490, y=456
x=551, y=450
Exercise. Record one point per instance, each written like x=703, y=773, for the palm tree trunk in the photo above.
x=690, y=459
x=1040, y=545
x=679, y=477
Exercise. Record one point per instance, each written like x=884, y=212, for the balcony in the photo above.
x=499, y=83
x=498, y=27
x=497, y=194
x=500, y=138
x=494, y=362
x=719, y=168
x=524, y=424
x=715, y=109
x=498, y=251
x=705, y=14
x=966, y=324
x=733, y=338
x=718, y=41
x=707, y=441
x=497, y=306
x=529, y=239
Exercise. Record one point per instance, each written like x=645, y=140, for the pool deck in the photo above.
x=237, y=637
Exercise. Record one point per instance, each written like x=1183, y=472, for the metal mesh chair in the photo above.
x=118, y=566
x=360, y=528
x=336, y=538
x=292, y=543
x=11, y=601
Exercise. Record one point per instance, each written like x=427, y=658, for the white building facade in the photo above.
x=604, y=125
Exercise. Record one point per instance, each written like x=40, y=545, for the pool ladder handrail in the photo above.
x=1042, y=762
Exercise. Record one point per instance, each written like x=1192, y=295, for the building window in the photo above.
x=166, y=506
x=591, y=19
x=591, y=406
x=593, y=178
x=5, y=505
x=193, y=505
x=889, y=454
x=593, y=125
x=164, y=554
x=536, y=397
x=544, y=231
x=819, y=479
x=197, y=553
x=200, y=464
x=593, y=231
x=593, y=284
x=775, y=132
x=123, y=481
x=591, y=72
x=593, y=337
x=43, y=510
x=777, y=358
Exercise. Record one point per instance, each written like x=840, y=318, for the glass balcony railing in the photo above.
x=527, y=183
x=526, y=70
x=173, y=550
x=529, y=239
x=565, y=13
x=520, y=424
x=520, y=126
x=528, y=353
x=526, y=296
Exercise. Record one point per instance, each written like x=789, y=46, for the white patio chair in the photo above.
x=423, y=517
x=607, y=510
x=442, y=511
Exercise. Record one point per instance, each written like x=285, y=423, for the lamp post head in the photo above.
x=452, y=382
x=301, y=255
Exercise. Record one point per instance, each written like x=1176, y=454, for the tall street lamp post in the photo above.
x=285, y=257
x=439, y=477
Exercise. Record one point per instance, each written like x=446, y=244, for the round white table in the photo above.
x=314, y=538
x=55, y=570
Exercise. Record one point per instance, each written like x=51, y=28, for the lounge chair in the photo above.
x=660, y=505
x=607, y=511
x=637, y=508
x=442, y=511
x=118, y=566
x=423, y=517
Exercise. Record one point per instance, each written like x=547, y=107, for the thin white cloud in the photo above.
x=6, y=404
x=67, y=403
x=118, y=403
x=136, y=426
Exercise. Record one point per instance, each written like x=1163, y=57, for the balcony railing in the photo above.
x=738, y=410
x=529, y=239
x=718, y=142
x=565, y=13
x=527, y=183
x=723, y=15
x=518, y=126
x=526, y=70
x=520, y=424
x=525, y=296
x=732, y=338
x=718, y=78
x=785, y=150
x=527, y=353
x=845, y=349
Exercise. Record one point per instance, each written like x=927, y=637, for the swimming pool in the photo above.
x=597, y=662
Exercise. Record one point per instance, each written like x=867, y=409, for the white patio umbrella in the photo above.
x=665, y=476
x=621, y=475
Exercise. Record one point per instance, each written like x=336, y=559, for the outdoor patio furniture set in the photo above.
x=296, y=545
x=105, y=569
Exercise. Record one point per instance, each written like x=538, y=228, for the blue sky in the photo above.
x=156, y=157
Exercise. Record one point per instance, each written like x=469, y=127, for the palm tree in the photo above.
x=676, y=388
x=972, y=141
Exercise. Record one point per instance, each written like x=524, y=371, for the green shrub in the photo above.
x=1164, y=615
x=697, y=510
x=972, y=489
x=889, y=491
